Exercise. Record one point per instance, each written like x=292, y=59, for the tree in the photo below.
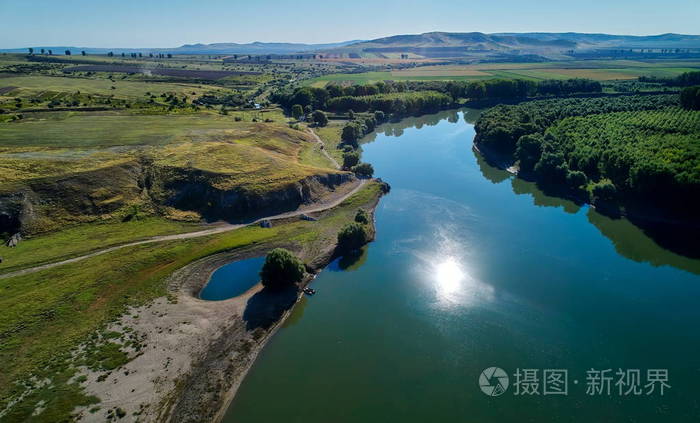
x=604, y=191
x=575, y=179
x=350, y=159
x=320, y=118
x=352, y=237
x=67, y=52
x=351, y=114
x=363, y=170
x=110, y=54
x=50, y=52
x=297, y=111
x=31, y=50
x=351, y=133
x=528, y=150
x=281, y=268
x=42, y=51
x=83, y=53
x=690, y=97
x=361, y=217
x=379, y=116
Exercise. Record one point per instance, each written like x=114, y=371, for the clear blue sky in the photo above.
x=156, y=23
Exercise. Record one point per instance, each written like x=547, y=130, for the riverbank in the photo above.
x=196, y=353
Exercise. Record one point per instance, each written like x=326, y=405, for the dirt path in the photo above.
x=323, y=148
x=215, y=230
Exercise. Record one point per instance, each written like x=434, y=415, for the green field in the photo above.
x=601, y=70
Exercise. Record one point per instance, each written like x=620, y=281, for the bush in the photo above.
x=379, y=116
x=352, y=237
x=281, y=268
x=363, y=170
x=350, y=159
x=361, y=217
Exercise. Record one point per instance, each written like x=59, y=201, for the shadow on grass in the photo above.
x=266, y=307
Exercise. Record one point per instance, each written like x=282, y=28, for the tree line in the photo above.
x=320, y=97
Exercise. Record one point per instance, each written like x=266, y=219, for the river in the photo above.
x=473, y=268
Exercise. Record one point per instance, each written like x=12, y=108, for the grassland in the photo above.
x=81, y=239
x=601, y=70
x=42, y=324
x=29, y=86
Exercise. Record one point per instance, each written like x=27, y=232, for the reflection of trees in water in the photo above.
x=350, y=261
x=637, y=243
x=633, y=243
x=491, y=173
x=396, y=129
x=297, y=313
x=539, y=198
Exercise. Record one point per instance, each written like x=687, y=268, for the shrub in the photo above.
x=281, y=268
x=361, y=217
x=351, y=237
x=363, y=170
x=350, y=159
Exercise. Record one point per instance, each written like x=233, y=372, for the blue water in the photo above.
x=233, y=279
x=473, y=268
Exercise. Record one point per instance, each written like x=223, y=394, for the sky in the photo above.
x=171, y=23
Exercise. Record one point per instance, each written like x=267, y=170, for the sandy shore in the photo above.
x=195, y=353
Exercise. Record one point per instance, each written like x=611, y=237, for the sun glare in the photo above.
x=448, y=276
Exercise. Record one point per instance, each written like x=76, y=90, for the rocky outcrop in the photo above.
x=199, y=191
x=45, y=204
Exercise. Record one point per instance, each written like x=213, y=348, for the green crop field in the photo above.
x=601, y=70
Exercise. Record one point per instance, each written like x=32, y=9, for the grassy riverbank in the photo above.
x=44, y=323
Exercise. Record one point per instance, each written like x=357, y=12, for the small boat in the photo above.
x=309, y=291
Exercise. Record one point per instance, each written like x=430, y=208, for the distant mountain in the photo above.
x=255, y=48
x=216, y=48
x=472, y=46
x=478, y=45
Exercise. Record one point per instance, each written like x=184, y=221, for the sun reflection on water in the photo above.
x=448, y=276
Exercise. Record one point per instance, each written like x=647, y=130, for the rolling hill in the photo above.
x=511, y=46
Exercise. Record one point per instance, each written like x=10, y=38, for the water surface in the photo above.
x=232, y=279
x=474, y=268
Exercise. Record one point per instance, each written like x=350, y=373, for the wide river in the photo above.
x=473, y=268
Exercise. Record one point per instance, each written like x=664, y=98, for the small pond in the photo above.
x=233, y=279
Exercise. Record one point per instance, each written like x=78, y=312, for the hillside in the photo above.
x=510, y=46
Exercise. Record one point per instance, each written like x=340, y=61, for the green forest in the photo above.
x=606, y=149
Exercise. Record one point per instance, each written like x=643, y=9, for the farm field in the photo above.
x=27, y=86
x=601, y=70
